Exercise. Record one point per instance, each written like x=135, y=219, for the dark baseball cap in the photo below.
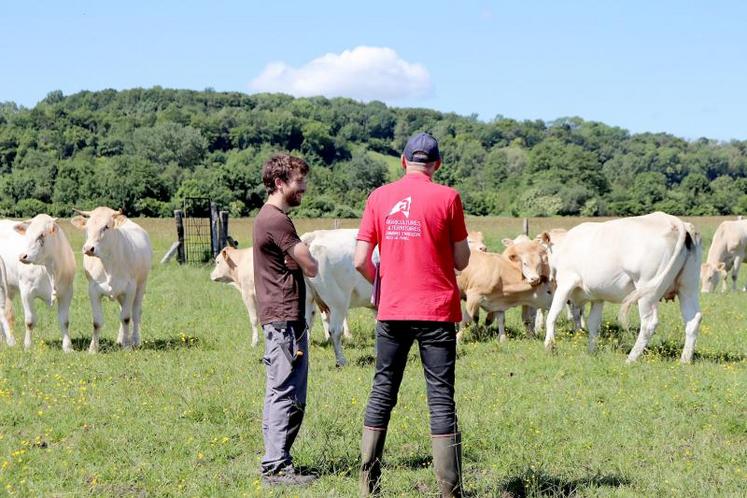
x=422, y=148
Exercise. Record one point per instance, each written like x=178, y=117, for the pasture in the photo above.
x=181, y=416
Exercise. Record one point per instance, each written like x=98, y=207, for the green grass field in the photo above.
x=181, y=416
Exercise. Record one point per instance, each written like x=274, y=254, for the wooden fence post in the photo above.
x=179, y=217
x=214, y=229
x=223, y=239
x=526, y=227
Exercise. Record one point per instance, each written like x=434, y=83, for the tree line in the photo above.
x=146, y=150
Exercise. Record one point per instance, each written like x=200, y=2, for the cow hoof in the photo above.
x=550, y=347
x=67, y=349
x=11, y=342
x=503, y=338
x=340, y=363
x=92, y=350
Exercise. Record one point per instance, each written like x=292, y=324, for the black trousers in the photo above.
x=437, y=343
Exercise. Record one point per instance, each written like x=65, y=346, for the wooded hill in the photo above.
x=144, y=150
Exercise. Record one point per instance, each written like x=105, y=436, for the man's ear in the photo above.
x=403, y=161
x=438, y=165
x=79, y=222
x=21, y=227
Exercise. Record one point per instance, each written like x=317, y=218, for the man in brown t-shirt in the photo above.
x=280, y=262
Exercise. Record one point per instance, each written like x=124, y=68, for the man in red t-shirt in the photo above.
x=419, y=229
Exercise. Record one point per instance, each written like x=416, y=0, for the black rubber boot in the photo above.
x=447, y=461
x=372, y=447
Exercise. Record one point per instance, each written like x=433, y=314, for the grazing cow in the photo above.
x=338, y=286
x=476, y=241
x=39, y=263
x=236, y=267
x=6, y=334
x=727, y=252
x=641, y=259
x=116, y=257
x=495, y=282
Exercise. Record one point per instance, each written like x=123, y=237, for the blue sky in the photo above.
x=679, y=67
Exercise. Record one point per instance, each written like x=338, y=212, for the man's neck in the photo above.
x=410, y=170
x=276, y=199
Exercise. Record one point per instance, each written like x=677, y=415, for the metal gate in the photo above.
x=198, y=230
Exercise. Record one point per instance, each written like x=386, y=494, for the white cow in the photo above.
x=641, y=259
x=116, y=257
x=727, y=252
x=236, y=267
x=338, y=286
x=39, y=263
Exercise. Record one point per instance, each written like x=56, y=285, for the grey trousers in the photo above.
x=286, y=361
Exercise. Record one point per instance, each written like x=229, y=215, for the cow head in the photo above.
x=99, y=225
x=530, y=257
x=710, y=275
x=476, y=241
x=38, y=231
x=225, y=266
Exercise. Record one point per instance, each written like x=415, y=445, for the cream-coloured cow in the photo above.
x=39, y=264
x=727, y=253
x=116, y=257
x=497, y=282
x=630, y=260
x=236, y=267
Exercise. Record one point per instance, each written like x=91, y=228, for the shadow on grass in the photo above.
x=346, y=466
x=673, y=350
x=109, y=346
x=538, y=483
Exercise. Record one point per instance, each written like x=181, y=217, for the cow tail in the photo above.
x=665, y=278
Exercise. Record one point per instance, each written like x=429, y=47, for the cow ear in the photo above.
x=119, y=219
x=53, y=230
x=21, y=227
x=79, y=222
x=507, y=242
x=544, y=238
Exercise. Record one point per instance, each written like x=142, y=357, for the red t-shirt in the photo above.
x=415, y=223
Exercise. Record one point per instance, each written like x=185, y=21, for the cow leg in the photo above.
x=5, y=332
x=595, y=321
x=539, y=320
x=251, y=307
x=335, y=330
x=98, y=318
x=735, y=272
x=63, y=317
x=528, y=316
x=558, y=301
x=501, y=319
x=27, y=299
x=690, y=309
x=490, y=317
x=137, y=314
x=6, y=317
x=325, y=324
x=649, y=315
x=346, y=330
x=125, y=318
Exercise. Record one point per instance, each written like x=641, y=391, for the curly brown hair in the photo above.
x=281, y=166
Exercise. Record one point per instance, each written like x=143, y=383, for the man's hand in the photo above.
x=362, y=260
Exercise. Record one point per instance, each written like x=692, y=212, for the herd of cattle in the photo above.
x=639, y=260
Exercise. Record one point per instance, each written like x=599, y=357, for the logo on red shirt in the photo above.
x=402, y=206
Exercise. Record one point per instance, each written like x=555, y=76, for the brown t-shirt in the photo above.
x=278, y=280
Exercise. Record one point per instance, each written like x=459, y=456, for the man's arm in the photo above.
x=461, y=255
x=362, y=260
x=301, y=255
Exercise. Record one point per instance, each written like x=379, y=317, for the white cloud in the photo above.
x=363, y=73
